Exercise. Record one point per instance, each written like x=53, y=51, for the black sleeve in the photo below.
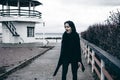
x=79, y=48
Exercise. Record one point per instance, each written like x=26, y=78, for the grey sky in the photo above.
x=92, y=2
x=82, y=12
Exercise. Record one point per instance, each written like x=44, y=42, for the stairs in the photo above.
x=11, y=27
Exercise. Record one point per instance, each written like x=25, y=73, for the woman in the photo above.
x=70, y=51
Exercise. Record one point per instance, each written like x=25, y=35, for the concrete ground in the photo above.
x=13, y=54
x=43, y=67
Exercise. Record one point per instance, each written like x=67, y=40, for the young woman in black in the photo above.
x=70, y=51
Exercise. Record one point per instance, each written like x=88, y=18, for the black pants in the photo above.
x=74, y=67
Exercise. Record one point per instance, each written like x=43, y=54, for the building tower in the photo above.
x=18, y=18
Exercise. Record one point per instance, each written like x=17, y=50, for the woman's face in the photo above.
x=68, y=28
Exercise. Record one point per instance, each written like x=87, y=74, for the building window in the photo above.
x=30, y=31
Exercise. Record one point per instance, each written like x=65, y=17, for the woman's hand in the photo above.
x=79, y=64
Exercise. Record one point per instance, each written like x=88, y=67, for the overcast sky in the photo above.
x=82, y=12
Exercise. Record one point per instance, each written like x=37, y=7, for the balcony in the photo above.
x=20, y=13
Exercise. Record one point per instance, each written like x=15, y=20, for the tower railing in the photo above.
x=20, y=13
x=106, y=66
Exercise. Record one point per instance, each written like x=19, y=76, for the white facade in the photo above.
x=21, y=28
x=18, y=25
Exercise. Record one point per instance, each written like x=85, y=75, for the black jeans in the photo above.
x=74, y=67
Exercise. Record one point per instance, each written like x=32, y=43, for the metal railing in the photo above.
x=103, y=64
x=11, y=27
x=20, y=13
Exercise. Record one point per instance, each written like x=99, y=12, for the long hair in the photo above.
x=72, y=25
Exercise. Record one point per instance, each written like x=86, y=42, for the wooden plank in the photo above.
x=98, y=73
x=97, y=61
x=107, y=75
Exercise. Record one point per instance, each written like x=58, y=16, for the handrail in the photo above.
x=20, y=12
x=11, y=27
x=102, y=59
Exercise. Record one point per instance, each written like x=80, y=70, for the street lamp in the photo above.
x=43, y=33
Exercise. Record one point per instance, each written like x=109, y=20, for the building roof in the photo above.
x=23, y=3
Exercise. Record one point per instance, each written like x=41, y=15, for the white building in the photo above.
x=18, y=18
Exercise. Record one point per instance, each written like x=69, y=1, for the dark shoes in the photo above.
x=83, y=68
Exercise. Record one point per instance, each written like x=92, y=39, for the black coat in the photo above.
x=70, y=49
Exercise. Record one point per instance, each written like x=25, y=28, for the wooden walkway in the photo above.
x=43, y=67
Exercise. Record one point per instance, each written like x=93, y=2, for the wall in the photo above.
x=21, y=28
x=6, y=35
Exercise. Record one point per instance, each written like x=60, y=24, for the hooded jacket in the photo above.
x=70, y=48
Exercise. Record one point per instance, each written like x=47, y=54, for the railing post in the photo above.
x=93, y=60
x=102, y=74
x=83, y=44
x=2, y=10
x=88, y=55
x=85, y=50
x=82, y=47
x=29, y=9
x=18, y=4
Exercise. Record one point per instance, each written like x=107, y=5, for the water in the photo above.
x=48, y=37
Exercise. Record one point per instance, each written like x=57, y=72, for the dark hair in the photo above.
x=72, y=25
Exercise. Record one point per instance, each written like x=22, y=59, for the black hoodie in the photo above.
x=70, y=47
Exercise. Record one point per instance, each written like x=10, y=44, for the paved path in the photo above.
x=43, y=67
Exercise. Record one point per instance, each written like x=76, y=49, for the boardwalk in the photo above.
x=43, y=67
